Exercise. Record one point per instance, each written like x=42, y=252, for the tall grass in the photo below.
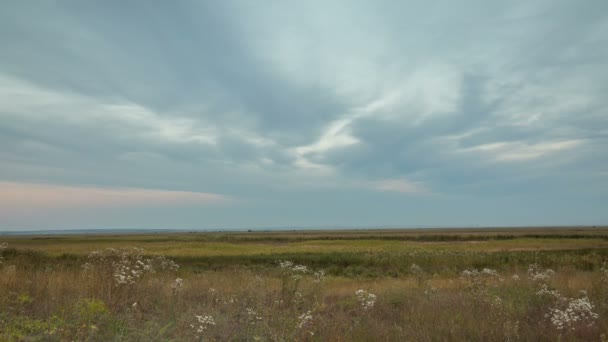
x=425, y=294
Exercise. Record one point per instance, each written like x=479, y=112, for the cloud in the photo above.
x=399, y=185
x=36, y=105
x=376, y=101
x=515, y=152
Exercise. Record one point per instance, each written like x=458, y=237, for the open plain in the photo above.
x=343, y=285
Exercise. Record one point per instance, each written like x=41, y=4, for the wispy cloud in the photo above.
x=399, y=185
x=518, y=151
x=367, y=102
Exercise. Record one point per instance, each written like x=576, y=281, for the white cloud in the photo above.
x=27, y=102
x=399, y=185
x=520, y=151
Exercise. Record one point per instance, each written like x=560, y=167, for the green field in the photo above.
x=448, y=284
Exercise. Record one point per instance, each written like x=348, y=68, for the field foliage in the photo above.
x=417, y=285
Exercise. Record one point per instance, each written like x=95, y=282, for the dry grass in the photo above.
x=47, y=297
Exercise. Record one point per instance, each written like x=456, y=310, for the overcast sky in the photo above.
x=237, y=114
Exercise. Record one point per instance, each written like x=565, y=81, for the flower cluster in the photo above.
x=161, y=263
x=177, y=285
x=568, y=313
x=474, y=273
x=366, y=299
x=318, y=277
x=415, y=269
x=202, y=324
x=215, y=297
x=604, y=272
x=295, y=271
x=544, y=291
x=128, y=272
x=478, y=280
x=126, y=265
x=3, y=246
x=535, y=273
x=232, y=299
x=252, y=316
x=577, y=312
x=495, y=302
x=304, y=320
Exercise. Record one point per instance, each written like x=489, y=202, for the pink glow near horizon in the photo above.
x=22, y=198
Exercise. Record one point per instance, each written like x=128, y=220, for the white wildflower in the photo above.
x=319, y=276
x=304, y=320
x=214, y=295
x=3, y=246
x=489, y=272
x=203, y=323
x=295, y=271
x=430, y=291
x=496, y=302
x=177, y=285
x=579, y=311
x=252, y=316
x=127, y=265
x=604, y=272
x=535, y=273
x=366, y=299
x=569, y=313
x=232, y=299
x=474, y=273
x=544, y=291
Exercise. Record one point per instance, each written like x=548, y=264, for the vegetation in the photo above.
x=421, y=285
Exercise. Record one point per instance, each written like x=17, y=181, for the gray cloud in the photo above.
x=283, y=104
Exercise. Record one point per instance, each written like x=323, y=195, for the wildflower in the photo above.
x=489, y=272
x=177, y=285
x=569, y=313
x=252, y=316
x=415, y=269
x=294, y=270
x=578, y=311
x=496, y=302
x=319, y=276
x=536, y=274
x=127, y=266
x=297, y=297
x=474, y=273
x=304, y=320
x=214, y=295
x=515, y=277
x=366, y=299
x=604, y=272
x=544, y=291
x=477, y=281
x=430, y=291
x=3, y=246
x=203, y=324
x=232, y=299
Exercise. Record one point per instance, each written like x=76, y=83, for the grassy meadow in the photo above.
x=524, y=284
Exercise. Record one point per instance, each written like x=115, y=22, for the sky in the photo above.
x=257, y=114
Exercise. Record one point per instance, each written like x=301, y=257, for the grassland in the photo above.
x=354, y=285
